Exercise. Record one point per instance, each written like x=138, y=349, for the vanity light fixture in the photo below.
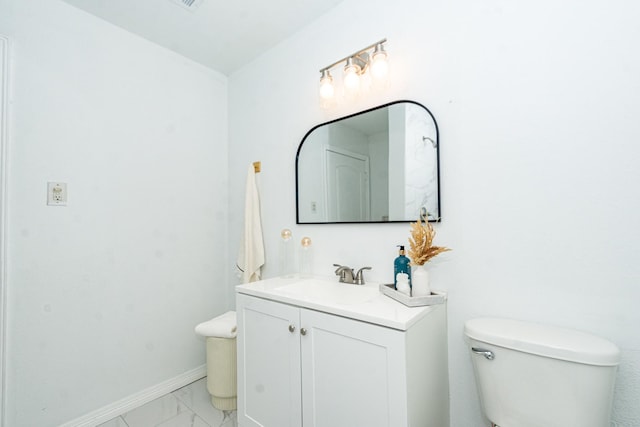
x=372, y=57
x=351, y=79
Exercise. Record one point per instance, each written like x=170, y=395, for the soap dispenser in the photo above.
x=401, y=265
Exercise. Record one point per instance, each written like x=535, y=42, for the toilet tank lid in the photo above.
x=544, y=340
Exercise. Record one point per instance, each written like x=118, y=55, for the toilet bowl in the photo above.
x=220, y=333
x=532, y=375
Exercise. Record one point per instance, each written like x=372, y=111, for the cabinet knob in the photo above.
x=303, y=331
x=292, y=328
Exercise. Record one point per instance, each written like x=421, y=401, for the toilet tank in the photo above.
x=542, y=376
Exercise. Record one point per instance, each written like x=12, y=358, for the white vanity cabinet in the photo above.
x=304, y=367
x=269, y=374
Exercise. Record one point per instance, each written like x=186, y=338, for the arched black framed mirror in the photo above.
x=378, y=165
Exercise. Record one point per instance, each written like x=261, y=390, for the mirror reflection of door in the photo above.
x=347, y=184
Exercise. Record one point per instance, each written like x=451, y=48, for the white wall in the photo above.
x=536, y=104
x=103, y=294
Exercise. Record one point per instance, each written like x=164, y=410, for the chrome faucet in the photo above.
x=347, y=276
x=345, y=273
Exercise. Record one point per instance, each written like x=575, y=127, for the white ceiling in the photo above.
x=220, y=34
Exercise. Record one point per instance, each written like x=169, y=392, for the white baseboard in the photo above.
x=125, y=405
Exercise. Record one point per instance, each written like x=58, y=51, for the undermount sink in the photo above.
x=330, y=292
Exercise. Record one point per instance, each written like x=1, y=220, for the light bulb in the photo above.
x=351, y=78
x=379, y=63
x=305, y=242
x=326, y=85
x=380, y=66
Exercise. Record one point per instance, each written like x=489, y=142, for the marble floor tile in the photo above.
x=185, y=419
x=196, y=397
x=155, y=412
x=116, y=422
x=189, y=406
x=231, y=420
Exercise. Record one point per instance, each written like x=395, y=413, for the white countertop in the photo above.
x=360, y=302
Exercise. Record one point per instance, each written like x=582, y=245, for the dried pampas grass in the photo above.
x=421, y=247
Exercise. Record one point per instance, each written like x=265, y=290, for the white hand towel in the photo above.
x=223, y=326
x=251, y=255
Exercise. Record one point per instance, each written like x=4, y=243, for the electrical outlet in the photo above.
x=57, y=193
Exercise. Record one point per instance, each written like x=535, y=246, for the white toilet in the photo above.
x=532, y=375
x=220, y=334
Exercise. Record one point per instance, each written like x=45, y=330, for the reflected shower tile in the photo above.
x=154, y=412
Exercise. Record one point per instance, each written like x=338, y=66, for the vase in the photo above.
x=420, y=282
x=287, y=268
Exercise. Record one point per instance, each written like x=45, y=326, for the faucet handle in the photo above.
x=360, y=276
x=345, y=273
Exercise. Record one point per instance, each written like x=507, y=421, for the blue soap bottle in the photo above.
x=401, y=265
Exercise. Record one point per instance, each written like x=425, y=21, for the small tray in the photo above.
x=433, y=299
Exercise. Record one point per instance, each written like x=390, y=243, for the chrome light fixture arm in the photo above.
x=356, y=56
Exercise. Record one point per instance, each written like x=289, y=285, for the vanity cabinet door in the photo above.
x=268, y=363
x=353, y=373
x=300, y=367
